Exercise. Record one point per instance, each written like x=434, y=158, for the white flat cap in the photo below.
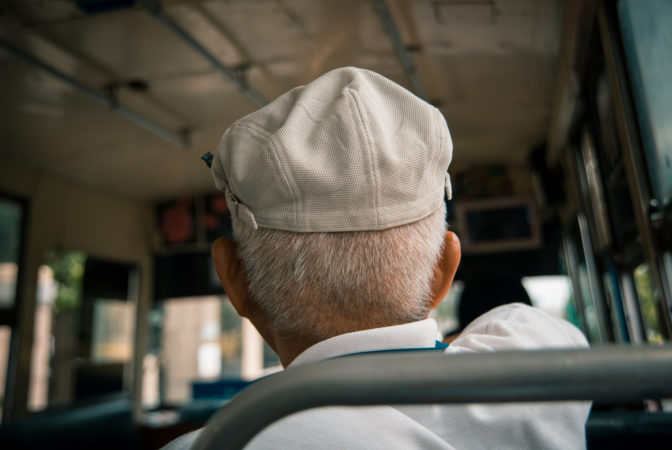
x=350, y=151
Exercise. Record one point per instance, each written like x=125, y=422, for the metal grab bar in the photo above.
x=617, y=373
x=179, y=139
x=155, y=9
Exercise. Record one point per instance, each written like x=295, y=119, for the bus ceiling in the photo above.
x=116, y=88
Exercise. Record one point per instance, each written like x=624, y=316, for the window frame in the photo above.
x=10, y=316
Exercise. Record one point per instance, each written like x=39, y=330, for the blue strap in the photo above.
x=208, y=157
x=438, y=346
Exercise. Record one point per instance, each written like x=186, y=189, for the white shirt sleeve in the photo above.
x=517, y=327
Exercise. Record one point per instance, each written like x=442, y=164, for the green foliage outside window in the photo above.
x=647, y=303
x=68, y=268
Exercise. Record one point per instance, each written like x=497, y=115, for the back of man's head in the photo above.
x=336, y=191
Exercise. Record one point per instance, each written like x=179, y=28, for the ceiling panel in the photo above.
x=489, y=65
x=131, y=42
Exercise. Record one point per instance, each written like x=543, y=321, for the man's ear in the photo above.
x=231, y=273
x=445, y=268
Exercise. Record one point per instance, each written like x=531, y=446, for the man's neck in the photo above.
x=289, y=347
x=288, y=350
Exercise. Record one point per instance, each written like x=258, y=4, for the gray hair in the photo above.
x=317, y=285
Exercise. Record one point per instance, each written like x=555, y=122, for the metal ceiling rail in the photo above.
x=618, y=373
x=179, y=139
x=405, y=57
x=155, y=10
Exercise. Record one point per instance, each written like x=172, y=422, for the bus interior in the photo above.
x=114, y=329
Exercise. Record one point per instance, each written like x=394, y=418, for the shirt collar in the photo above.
x=419, y=334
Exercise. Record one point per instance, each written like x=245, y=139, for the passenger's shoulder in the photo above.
x=518, y=326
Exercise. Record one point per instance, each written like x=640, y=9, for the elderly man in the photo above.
x=336, y=191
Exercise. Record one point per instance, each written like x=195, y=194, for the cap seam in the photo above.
x=303, y=108
x=369, y=147
x=289, y=181
x=437, y=123
x=428, y=210
x=218, y=172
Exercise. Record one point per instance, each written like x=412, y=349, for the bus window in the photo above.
x=553, y=294
x=84, y=328
x=201, y=345
x=112, y=331
x=11, y=227
x=646, y=41
x=446, y=314
x=10, y=237
x=58, y=303
x=648, y=304
x=5, y=338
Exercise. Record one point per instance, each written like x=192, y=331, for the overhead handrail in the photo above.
x=402, y=51
x=179, y=139
x=155, y=10
x=617, y=373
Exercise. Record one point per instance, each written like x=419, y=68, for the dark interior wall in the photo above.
x=545, y=260
x=185, y=275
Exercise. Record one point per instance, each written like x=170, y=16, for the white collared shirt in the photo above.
x=552, y=425
x=420, y=334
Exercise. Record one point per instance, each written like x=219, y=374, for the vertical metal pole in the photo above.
x=633, y=316
x=175, y=138
x=593, y=279
x=569, y=250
